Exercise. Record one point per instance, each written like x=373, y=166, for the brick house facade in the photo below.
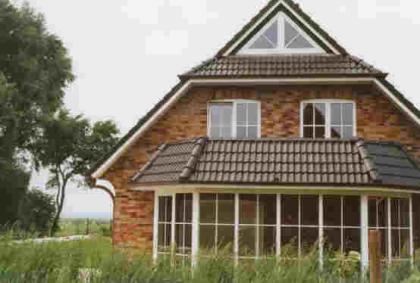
x=378, y=118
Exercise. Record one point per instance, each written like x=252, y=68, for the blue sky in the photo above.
x=127, y=53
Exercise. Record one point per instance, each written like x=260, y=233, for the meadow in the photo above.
x=95, y=260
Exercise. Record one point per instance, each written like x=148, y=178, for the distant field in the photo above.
x=70, y=227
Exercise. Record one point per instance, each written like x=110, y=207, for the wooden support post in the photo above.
x=375, y=256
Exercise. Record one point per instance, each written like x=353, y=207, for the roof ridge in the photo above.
x=192, y=161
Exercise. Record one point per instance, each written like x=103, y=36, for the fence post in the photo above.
x=375, y=256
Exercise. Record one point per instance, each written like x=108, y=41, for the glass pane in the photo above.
x=262, y=43
x=384, y=242
x=188, y=237
x=336, y=114
x=308, y=132
x=188, y=208
x=215, y=114
x=289, y=237
x=226, y=211
x=404, y=213
x=267, y=244
x=308, y=114
x=215, y=132
x=179, y=237
x=309, y=238
x=225, y=237
x=165, y=209
x=351, y=211
x=268, y=210
x=332, y=210
x=241, y=132
x=332, y=238
x=164, y=236
x=226, y=120
x=241, y=110
x=183, y=209
x=320, y=114
x=394, y=212
x=351, y=240
x=207, y=208
x=382, y=212
x=247, y=209
x=347, y=113
x=348, y=132
x=226, y=133
x=319, y=132
x=289, y=210
x=289, y=33
x=272, y=33
x=252, y=132
x=247, y=237
x=207, y=237
x=395, y=242
x=336, y=132
x=253, y=113
x=372, y=215
x=300, y=43
x=309, y=210
x=405, y=243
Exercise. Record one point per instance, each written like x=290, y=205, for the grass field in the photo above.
x=96, y=261
x=69, y=227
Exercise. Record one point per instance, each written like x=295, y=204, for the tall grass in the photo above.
x=96, y=261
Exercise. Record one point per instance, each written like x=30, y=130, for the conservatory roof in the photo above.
x=281, y=162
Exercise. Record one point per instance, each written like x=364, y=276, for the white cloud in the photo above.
x=195, y=12
x=406, y=9
x=147, y=12
x=173, y=42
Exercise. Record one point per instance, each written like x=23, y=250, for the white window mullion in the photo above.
x=389, y=243
x=195, y=243
x=236, y=231
x=342, y=224
x=257, y=238
x=300, y=227
x=278, y=225
x=156, y=228
x=234, y=119
x=364, y=231
x=328, y=120
x=173, y=225
x=321, y=230
x=411, y=230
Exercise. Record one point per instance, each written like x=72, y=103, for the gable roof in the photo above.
x=280, y=161
x=345, y=65
x=284, y=66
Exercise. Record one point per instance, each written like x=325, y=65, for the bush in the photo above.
x=36, y=213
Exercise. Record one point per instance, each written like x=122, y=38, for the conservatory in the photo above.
x=251, y=199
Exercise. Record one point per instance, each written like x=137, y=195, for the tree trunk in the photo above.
x=61, y=194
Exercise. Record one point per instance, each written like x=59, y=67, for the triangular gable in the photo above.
x=300, y=21
x=281, y=35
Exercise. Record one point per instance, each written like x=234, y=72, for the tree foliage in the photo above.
x=69, y=146
x=36, y=212
x=34, y=71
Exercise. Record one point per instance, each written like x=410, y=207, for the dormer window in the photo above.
x=328, y=119
x=234, y=119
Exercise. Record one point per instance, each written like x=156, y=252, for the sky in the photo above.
x=127, y=53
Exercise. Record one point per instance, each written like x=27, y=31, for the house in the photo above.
x=282, y=137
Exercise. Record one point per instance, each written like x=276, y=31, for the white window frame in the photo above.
x=281, y=48
x=234, y=103
x=328, y=125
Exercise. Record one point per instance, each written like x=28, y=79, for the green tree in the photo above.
x=34, y=70
x=36, y=212
x=69, y=147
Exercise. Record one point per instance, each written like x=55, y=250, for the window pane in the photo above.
x=215, y=132
x=267, y=209
x=188, y=208
x=207, y=208
x=405, y=243
x=183, y=208
x=308, y=132
x=309, y=210
x=289, y=210
x=336, y=132
x=394, y=212
x=319, y=113
x=262, y=43
x=253, y=113
x=372, y=215
x=252, y=132
x=300, y=43
x=215, y=114
x=207, y=237
x=241, y=114
x=395, y=242
x=289, y=236
x=247, y=209
x=272, y=33
x=347, y=113
x=404, y=213
x=241, y=132
x=383, y=212
x=226, y=119
x=225, y=237
x=308, y=114
x=164, y=237
x=165, y=209
x=351, y=240
x=332, y=238
x=309, y=238
x=336, y=114
x=226, y=211
x=332, y=211
x=226, y=133
x=289, y=33
x=348, y=132
x=267, y=244
x=247, y=237
x=319, y=132
x=351, y=211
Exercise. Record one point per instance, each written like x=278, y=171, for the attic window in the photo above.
x=281, y=35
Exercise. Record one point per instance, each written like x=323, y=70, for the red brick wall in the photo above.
x=377, y=119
